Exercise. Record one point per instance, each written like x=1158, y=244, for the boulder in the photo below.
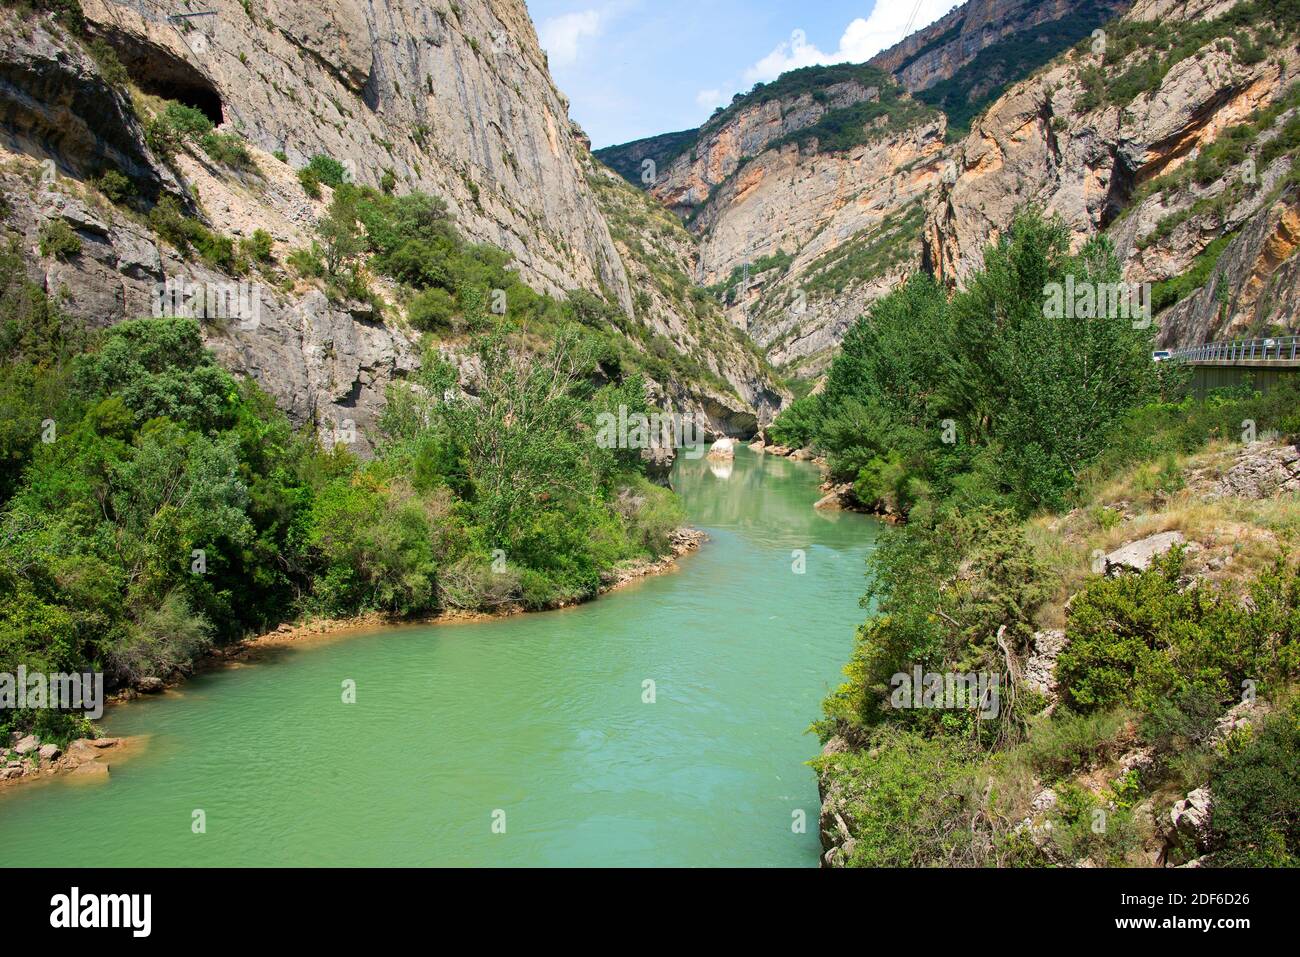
x=724, y=448
x=1137, y=556
x=1044, y=801
x=1191, y=816
x=49, y=752
x=1040, y=668
x=837, y=496
x=27, y=744
x=149, y=685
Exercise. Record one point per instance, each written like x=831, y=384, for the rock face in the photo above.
x=1254, y=285
x=735, y=396
x=817, y=233
x=728, y=141
x=453, y=101
x=825, y=209
x=56, y=105
x=1067, y=140
x=791, y=215
x=937, y=52
x=1262, y=471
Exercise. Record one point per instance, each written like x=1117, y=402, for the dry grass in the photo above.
x=1234, y=539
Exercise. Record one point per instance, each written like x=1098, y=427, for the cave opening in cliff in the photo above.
x=161, y=72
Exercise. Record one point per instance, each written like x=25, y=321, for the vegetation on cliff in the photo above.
x=152, y=504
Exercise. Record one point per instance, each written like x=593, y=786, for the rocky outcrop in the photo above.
x=939, y=51
x=1040, y=667
x=1192, y=815
x=1262, y=470
x=326, y=364
x=27, y=759
x=55, y=105
x=743, y=131
x=1242, y=716
x=1138, y=556
x=1063, y=141
x=1255, y=285
x=835, y=820
x=454, y=100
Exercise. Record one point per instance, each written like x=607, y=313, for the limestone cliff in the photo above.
x=675, y=318
x=454, y=100
x=808, y=193
x=1171, y=134
x=937, y=52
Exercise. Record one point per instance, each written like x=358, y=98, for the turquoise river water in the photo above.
x=521, y=741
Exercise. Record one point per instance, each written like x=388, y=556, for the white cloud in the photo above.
x=561, y=36
x=711, y=99
x=862, y=39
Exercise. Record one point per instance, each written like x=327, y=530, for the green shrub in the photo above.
x=115, y=187
x=327, y=170
x=940, y=595
x=110, y=67
x=259, y=247
x=59, y=240
x=162, y=640
x=227, y=149
x=376, y=547
x=1146, y=639
x=169, y=221
x=1067, y=742
x=191, y=123
x=310, y=182
x=432, y=310
x=1255, y=818
x=916, y=802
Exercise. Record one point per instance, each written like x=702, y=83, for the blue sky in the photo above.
x=634, y=68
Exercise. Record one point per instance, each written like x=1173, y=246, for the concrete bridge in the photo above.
x=1261, y=362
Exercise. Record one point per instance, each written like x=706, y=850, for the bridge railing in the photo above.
x=1275, y=349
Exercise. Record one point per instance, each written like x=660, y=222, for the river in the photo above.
x=524, y=741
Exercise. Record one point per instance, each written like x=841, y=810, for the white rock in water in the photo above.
x=723, y=449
